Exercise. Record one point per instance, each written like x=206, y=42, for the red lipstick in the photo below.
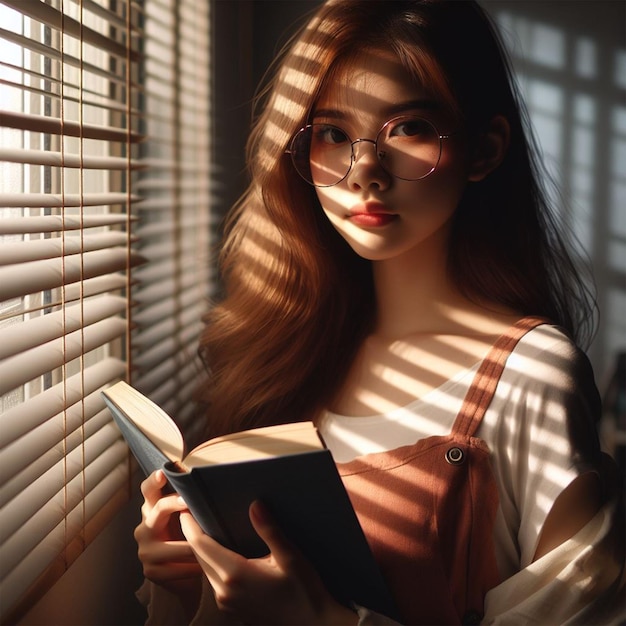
x=371, y=215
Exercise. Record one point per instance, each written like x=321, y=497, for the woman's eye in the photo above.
x=411, y=128
x=330, y=135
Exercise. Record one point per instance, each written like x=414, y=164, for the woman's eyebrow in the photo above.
x=421, y=104
x=330, y=113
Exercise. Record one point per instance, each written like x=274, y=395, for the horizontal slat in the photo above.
x=169, y=142
x=178, y=382
x=169, y=326
x=165, y=360
x=41, y=275
x=59, y=159
x=163, y=270
x=53, y=247
x=170, y=166
x=161, y=299
x=152, y=312
x=166, y=279
x=178, y=185
x=171, y=249
x=39, y=330
x=84, y=98
x=186, y=339
x=59, y=223
x=95, y=286
x=157, y=203
x=18, y=370
x=57, y=200
x=190, y=414
x=112, y=283
x=21, y=419
x=55, y=126
x=194, y=224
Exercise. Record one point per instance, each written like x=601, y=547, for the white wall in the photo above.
x=570, y=56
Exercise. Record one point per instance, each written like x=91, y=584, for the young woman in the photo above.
x=395, y=274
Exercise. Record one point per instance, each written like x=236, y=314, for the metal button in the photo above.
x=455, y=456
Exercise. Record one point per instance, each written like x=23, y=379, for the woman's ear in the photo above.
x=490, y=149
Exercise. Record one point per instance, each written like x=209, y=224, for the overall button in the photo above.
x=455, y=456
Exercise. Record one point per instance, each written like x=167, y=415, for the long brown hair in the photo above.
x=297, y=301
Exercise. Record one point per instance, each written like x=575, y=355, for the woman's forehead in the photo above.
x=369, y=82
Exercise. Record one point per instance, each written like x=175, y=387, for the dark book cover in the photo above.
x=304, y=493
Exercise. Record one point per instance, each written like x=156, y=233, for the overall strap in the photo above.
x=485, y=381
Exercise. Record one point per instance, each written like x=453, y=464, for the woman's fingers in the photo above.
x=152, y=486
x=201, y=545
x=157, y=516
x=283, y=551
x=282, y=588
x=167, y=558
x=224, y=563
x=166, y=551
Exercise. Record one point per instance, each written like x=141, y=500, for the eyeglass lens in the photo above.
x=407, y=147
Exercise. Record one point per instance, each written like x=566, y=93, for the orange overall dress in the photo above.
x=428, y=509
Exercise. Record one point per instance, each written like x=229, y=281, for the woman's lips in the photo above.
x=372, y=219
x=373, y=215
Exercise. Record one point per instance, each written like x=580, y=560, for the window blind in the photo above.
x=175, y=221
x=104, y=238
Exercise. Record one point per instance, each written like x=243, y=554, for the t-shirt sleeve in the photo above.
x=547, y=405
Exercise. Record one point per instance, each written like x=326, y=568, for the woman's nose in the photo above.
x=366, y=170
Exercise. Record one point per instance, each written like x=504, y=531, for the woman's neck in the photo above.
x=417, y=296
x=413, y=290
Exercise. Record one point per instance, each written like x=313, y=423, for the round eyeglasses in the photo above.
x=407, y=147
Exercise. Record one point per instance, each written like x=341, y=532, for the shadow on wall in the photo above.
x=571, y=63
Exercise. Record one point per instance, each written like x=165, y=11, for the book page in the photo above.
x=153, y=421
x=270, y=441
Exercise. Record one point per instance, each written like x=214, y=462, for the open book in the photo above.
x=285, y=466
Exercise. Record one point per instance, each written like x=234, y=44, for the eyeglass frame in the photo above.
x=441, y=137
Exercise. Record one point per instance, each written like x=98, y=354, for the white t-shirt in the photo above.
x=539, y=428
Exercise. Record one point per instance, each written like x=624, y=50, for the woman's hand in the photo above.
x=167, y=558
x=282, y=588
